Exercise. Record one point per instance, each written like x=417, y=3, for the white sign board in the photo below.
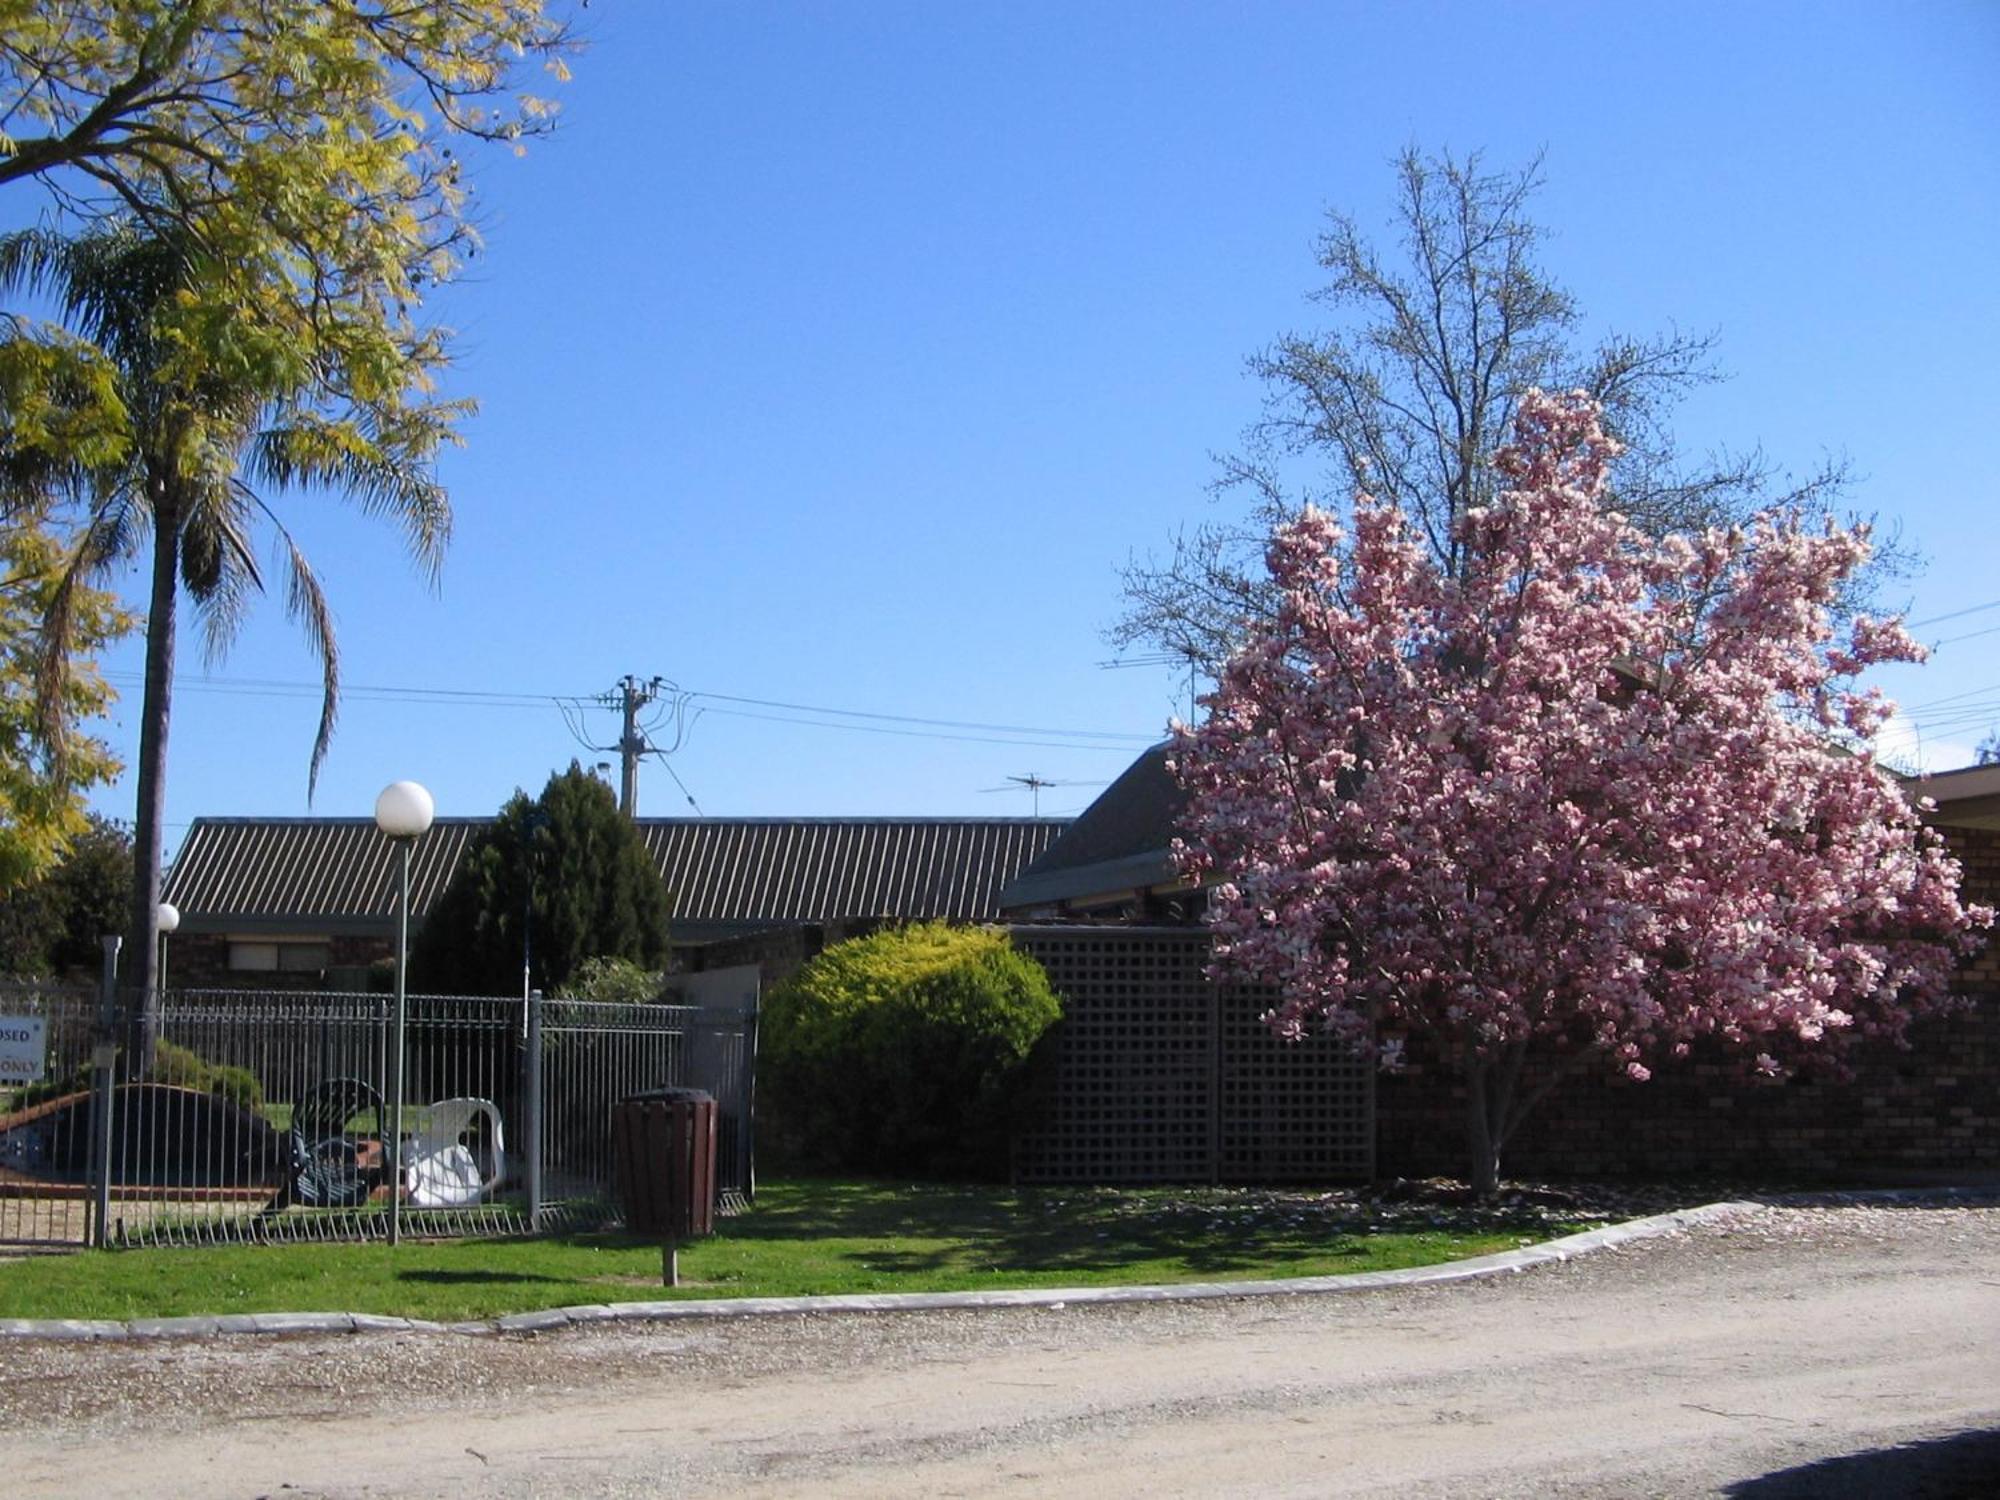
x=23, y=1045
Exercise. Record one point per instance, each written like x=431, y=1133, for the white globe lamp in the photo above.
x=403, y=812
x=166, y=917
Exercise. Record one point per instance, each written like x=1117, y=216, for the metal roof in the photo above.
x=325, y=875
x=1119, y=843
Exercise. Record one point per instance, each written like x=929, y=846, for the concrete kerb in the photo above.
x=1503, y=1263
x=1507, y=1262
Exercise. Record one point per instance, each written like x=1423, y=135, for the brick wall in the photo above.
x=201, y=961
x=1934, y=1109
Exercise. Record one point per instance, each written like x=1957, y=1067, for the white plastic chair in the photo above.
x=439, y=1169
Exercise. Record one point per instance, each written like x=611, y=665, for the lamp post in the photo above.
x=168, y=921
x=403, y=812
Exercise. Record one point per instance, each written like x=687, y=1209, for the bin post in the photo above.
x=663, y=1168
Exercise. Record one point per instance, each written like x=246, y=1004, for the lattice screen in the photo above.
x=1161, y=1078
x=1290, y=1111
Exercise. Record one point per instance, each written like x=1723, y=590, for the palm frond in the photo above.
x=391, y=478
x=306, y=603
x=219, y=565
x=110, y=283
x=101, y=543
x=221, y=404
x=32, y=261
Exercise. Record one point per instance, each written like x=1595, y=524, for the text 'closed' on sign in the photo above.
x=23, y=1044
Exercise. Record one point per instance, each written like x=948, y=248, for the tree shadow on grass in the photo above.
x=1964, y=1466
x=1206, y=1232
x=1050, y=1253
x=474, y=1278
x=814, y=1210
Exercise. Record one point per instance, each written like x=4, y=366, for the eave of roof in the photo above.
x=1966, y=798
x=1096, y=884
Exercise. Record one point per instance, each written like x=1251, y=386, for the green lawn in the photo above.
x=802, y=1238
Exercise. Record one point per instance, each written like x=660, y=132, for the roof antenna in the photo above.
x=1034, y=782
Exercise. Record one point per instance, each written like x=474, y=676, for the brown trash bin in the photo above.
x=663, y=1162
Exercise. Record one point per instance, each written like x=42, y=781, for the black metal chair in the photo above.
x=326, y=1166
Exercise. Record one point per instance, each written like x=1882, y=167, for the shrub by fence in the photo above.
x=908, y=1050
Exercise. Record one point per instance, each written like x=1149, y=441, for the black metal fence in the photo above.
x=266, y=1114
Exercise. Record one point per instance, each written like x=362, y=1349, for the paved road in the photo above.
x=1796, y=1352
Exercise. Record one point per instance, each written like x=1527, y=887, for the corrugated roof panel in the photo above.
x=871, y=868
x=719, y=870
x=851, y=866
x=907, y=893
x=774, y=888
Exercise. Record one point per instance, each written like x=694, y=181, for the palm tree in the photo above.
x=228, y=400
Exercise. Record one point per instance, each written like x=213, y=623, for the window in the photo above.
x=278, y=955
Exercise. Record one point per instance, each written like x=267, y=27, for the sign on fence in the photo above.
x=23, y=1046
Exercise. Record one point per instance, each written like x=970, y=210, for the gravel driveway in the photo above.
x=1792, y=1351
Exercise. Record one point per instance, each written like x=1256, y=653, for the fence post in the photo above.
x=103, y=1060
x=749, y=1104
x=531, y=1110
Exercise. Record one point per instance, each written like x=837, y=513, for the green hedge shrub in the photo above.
x=614, y=979
x=908, y=1051
x=172, y=1063
x=180, y=1065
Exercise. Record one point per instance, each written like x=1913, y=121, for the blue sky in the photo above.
x=839, y=354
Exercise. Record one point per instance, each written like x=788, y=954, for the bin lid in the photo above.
x=668, y=1096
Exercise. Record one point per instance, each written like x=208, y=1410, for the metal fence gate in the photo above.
x=1161, y=1076
x=264, y=1117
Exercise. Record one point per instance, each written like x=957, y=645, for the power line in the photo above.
x=572, y=705
x=255, y=687
x=1991, y=687
x=1957, y=614
x=855, y=713
x=1953, y=640
x=1124, y=747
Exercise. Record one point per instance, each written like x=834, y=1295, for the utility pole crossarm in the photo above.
x=632, y=743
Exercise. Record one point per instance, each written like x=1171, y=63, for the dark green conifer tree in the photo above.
x=559, y=879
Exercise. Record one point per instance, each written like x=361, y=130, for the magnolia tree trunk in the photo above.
x=1482, y=1129
x=1495, y=1105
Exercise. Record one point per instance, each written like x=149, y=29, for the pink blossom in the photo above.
x=1585, y=796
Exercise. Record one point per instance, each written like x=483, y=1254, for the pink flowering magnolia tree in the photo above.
x=1596, y=799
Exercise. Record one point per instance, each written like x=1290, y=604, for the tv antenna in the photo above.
x=1034, y=782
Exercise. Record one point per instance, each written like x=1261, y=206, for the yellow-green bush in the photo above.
x=174, y=1064
x=910, y=1050
x=180, y=1065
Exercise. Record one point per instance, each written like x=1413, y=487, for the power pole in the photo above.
x=632, y=743
x=632, y=695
